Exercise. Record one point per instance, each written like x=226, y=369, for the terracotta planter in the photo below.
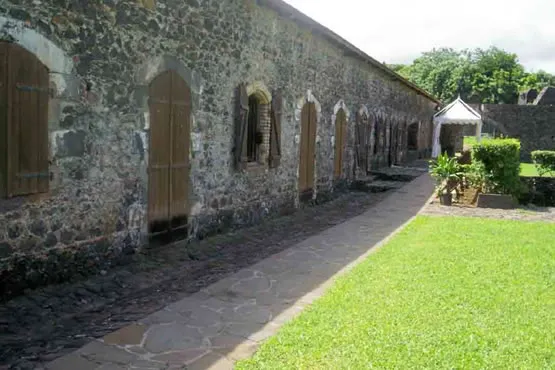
x=446, y=199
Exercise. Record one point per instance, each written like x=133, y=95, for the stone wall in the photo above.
x=539, y=191
x=102, y=56
x=534, y=125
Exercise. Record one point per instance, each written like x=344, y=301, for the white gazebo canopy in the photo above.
x=456, y=113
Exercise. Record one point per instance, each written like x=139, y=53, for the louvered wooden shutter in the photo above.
x=275, y=130
x=4, y=119
x=358, y=148
x=27, y=123
x=241, y=127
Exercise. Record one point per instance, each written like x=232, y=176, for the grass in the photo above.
x=526, y=169
x=530, y=170
x=470, y=141
x=457, y=293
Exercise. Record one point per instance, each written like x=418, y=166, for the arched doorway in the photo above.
x=412, y=136
x=307, y=150
x=170, y=130
x=340, y=140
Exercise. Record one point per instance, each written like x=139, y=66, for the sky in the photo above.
x=397, y=31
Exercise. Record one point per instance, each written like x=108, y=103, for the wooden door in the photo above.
x=340, y=140
x=307, y=148
x=24, y=167
x=170, y=127
x=363, y=142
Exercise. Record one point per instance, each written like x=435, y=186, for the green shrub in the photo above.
x=500, y=159
x=447, y=172
x=544, y=161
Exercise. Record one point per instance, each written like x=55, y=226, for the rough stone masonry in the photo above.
x=101, y=58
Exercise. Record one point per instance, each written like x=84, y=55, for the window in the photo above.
x=24, y=94
x=254, y=138
x=257, y=127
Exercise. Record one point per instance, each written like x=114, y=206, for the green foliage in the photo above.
x=500, y=159
x=544, y=161
x=475, y=175
x=447, y=172
x=445, y=293
x=537, y=80
x=486, y=76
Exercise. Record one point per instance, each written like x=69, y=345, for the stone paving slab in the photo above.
x=227, y=321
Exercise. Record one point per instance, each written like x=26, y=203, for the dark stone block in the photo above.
x=72, y=144
x=66, y=237
x=498, y=201
x=15, y=230
x=38, y=227
x=20, y=14
x=29, y=244
x=56, y=225
x=51, y=240
x=6, y=249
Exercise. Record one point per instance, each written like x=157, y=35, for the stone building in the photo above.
x=123, y=119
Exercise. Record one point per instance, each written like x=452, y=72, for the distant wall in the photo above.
x=534, y=125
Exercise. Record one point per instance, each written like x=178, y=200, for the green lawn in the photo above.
x=446, y=293
x=526, y=169
x=471, y=140
x=530, y=170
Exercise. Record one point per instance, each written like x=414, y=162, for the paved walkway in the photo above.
x=227, y=321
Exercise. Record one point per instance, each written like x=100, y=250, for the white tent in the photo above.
x=456, y=113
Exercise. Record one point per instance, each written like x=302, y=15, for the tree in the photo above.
x=487, y=76
x=442, y=72
x=537, y=81
x=496, y=76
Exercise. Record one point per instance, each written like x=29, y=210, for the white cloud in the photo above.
x=398, y=31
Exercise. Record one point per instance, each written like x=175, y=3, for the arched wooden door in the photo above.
x=24, y=95
x=340, y=141
x=307, y=149
x=170, y=129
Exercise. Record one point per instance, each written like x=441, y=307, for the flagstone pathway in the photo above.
x=227, y=321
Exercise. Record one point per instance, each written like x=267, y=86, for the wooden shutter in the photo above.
x=275, y=130
x=312, y=145
x=340, y=138
x=241, y=127
x=358, y=142
x=4, y=144
x=27, y=166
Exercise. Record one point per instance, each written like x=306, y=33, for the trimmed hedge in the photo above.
x=501, y=165
x=544, y=161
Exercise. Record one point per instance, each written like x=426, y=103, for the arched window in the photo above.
x=24, y=91
x=257, y=127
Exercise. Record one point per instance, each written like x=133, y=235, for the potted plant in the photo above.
x=447, y=173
